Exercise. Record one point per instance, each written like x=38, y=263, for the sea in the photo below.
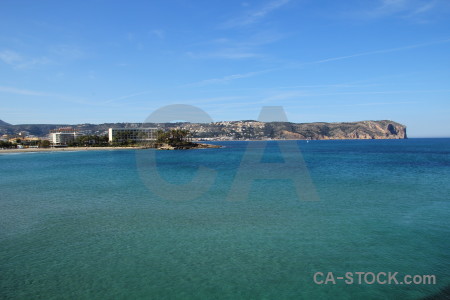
x=250, y=220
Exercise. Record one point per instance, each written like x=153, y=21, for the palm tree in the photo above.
x=174, y=137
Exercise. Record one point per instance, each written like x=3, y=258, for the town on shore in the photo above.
x=116, y=138
x=186, y=135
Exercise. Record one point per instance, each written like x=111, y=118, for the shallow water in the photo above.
x=90, y=225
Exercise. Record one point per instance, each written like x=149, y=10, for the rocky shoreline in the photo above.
x=188, y=147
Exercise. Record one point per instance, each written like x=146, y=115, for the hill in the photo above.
x=285, y=130
x=242, y=130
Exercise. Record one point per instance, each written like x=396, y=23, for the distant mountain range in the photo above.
x=241, y=130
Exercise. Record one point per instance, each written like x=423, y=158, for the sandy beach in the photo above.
x=31, y=150
x=27, y=150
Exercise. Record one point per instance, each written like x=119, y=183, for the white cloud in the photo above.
x=225, y=79
x=61, y=97
x=67, y=51
x=238, y=48
x=227, y=53
x=403, y=8
x=373, y=53
x=12, y=90
x=295, y=95
x=256, y=15
x=16, y=60
x=10, y=57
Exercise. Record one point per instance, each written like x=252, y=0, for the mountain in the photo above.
x=3, y=123
x=241, y=130
x=285, y=130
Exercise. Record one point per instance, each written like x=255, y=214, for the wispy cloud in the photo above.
x=244, y=48
x=391, y=6
x=299, y=106
x=423, y=8
x=159, y=33
x=296, y=95
x=226, y=53
x=402, y=8
x=327, y=86
x=124, y=97
x=10, y=57
x=60, y=97
x=214, y=100
x=18, y=61
x=383, y=51
x=321, y=61
x=255, y=16
x=68, y=52
x=12, y=90
x=225, y=79
x=285, y=95
x=113, y=101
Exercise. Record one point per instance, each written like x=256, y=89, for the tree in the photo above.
x=44, y=143
x=89, y=140
x=174, y=137
x=5, y=144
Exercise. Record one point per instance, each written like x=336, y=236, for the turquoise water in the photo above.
x=86, y=225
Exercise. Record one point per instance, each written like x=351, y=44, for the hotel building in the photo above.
x=132, y=134
x=63, y=136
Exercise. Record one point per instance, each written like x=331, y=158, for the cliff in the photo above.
x=338, y=131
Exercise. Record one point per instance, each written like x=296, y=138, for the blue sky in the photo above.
x=118, y=61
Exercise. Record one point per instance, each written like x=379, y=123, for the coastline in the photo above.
x=201, y=145
x=71, y=149
x=31, y=150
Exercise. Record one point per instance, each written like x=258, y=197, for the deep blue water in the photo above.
x=120, y=225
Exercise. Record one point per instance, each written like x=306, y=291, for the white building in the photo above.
x=63, y=136
x=132, y=134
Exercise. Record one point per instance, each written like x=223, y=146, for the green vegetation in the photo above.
x=121, y=139
x=174, y=137
x=25, y=143
x=7, y=145
x=44, y=143
x=90, y=141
